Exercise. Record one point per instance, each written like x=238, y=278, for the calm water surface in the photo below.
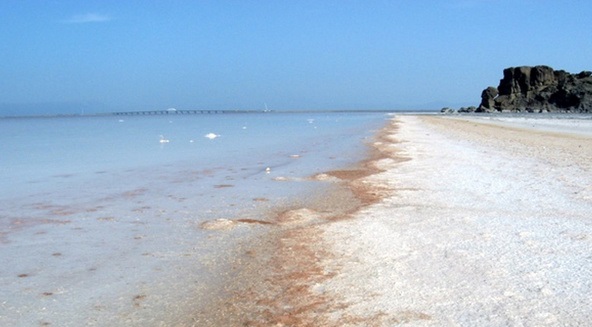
x=99, y=219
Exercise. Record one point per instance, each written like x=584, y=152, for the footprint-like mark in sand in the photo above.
x=137, y=300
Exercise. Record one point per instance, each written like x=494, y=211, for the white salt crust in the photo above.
x=478, y=231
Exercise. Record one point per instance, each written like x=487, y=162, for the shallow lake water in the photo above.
x=100, y=216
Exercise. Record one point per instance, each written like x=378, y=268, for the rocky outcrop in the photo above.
x=539, y=89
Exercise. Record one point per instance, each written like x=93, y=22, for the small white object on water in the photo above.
x=163, y=139
x=267, y=170
x=211, y=136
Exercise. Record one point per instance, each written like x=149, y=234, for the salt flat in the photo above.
x=572, y=124
x=483, y=225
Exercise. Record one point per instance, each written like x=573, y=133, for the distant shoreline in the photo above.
x=181, y=113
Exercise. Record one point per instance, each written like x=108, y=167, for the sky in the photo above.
x=104, y=56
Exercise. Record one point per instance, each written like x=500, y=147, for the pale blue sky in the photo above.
x=97, y=56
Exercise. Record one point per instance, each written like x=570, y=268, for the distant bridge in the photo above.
x=180, y=112
x=199, y=112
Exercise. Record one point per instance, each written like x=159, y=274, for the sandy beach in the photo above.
x=457, y=222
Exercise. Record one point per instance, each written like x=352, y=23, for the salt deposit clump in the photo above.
x=218, y=224
x=163, y=139
x=298, y=216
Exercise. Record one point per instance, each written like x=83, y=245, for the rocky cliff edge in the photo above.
x=539, y=89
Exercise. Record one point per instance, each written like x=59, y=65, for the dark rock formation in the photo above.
x=539, y=88
x=467, y=109
x=488, y=97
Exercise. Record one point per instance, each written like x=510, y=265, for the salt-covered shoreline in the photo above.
x=486, y=226
x=465, y=224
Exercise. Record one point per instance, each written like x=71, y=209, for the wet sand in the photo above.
x=451, y=221
x=275, y=282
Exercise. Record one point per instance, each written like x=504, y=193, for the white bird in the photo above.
x=211, y=136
